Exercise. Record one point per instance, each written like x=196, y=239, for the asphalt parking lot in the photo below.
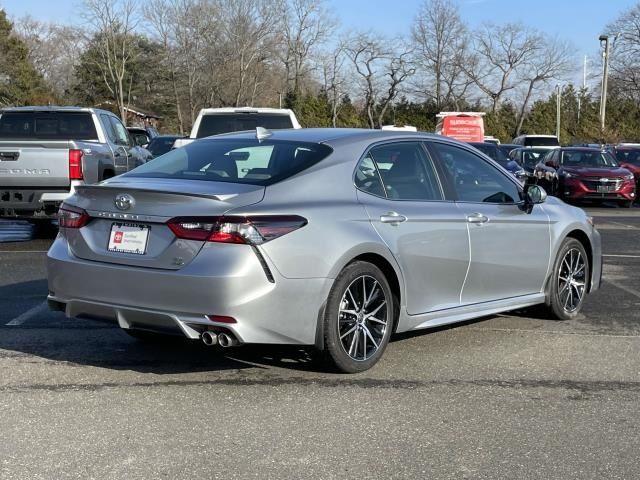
x=506, y=397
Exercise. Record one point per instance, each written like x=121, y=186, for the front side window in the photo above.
x=473, y=179
x=235, y=160
x=406, y=172
x=121, y=133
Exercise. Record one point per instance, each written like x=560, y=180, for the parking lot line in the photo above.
x=28, y=315
x=630, y=290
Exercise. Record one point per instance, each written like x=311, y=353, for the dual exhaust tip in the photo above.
x=225, y=340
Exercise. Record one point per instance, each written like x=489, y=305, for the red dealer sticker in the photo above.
x=117, y=237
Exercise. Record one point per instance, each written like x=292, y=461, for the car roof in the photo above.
x=580, y=149
x=281, y=111
x=54, y=108
x=331, y=135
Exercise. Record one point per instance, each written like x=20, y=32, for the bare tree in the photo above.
x=305, y=26
x=551, y=62
x=113, y=23
x=53, y=49
x=382, y=70
x=439, y=39
x=334, y=79
x=625, y=54
x=499, y=51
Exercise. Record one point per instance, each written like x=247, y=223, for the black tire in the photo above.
x=565, y=304
x=369, y=334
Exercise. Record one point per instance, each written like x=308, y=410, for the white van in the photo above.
x=538, y=141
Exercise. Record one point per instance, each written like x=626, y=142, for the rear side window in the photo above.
x=47, y=126
x=237, y=122
x=235, y=161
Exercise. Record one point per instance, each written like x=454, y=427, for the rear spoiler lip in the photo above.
x=115, y=187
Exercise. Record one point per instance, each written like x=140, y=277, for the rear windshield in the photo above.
x=235, y=161
x=541, y=142
x=491, y=150
x=237, y=122
x=47, y=126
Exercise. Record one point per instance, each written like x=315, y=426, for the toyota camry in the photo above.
x=336, y=238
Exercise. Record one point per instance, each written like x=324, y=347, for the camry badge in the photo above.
x=124, y=201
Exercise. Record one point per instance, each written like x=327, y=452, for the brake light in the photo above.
x=75, y=165
x=253, y=230
x=72, y=217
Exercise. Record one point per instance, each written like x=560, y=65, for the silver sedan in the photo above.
x=329, y=237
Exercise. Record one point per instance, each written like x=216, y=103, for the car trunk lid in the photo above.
x=150, y=204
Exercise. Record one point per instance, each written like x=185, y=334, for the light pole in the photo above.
x=558, y=105
x=605, y=43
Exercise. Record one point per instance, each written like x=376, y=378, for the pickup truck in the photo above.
x=45, y=152
x=214, y=121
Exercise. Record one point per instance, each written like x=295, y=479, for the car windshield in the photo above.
x=47, y=126
x=161, y=145
x=235, y=161
x=577, y=158
x=531, y=157
x=631, y=156
x=215, y=124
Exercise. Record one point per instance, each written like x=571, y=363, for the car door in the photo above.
x=120, y=151
x=510, y=248
x=401, y=192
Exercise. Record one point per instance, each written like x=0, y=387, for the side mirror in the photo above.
x=533, y=195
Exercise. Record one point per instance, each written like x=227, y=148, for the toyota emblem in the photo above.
x=124, y=201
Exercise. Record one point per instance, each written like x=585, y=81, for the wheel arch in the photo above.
x=583, y=238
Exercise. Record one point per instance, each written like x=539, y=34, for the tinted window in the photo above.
x=541, y=142
x=121, y=133
x=628, y=156
x=47, y=126
x=161, y=145
x=237, y=122
x=474, y=179
x=530, y=157
x=406, y=172
x=237, y=160
x=493, y=152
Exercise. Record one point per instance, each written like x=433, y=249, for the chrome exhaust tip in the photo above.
x=209, y=339
x=225, y=340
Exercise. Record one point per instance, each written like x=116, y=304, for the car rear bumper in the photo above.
x=282, y=311
x=33, y=202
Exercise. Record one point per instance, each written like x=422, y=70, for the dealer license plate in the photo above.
x=129, y=238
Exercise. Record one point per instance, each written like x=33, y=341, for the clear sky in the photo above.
x=580, y=21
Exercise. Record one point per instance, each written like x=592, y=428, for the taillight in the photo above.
x=254, y=230
x=72, y=217
x=75, y=165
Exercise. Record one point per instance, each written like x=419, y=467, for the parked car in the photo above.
x=507, y=147
x=628, y=157
x=46, y=152
x=162, y=144
x=142, y=136
x=214, y=121
x=580, y=173
x=540, y=141
x=340, y=238
x=494, y=152
x=528, y=157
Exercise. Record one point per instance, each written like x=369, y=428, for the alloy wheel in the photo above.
x=572, y=280
x=362, y=318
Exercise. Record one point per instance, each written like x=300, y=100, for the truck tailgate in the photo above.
x=34, y=164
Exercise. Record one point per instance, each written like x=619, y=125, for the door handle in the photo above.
x=393, y=218
x=477, y=218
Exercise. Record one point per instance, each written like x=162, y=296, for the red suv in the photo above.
x=628, y=157
x=576, y=174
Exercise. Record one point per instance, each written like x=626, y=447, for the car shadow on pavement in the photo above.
x=52, y=336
